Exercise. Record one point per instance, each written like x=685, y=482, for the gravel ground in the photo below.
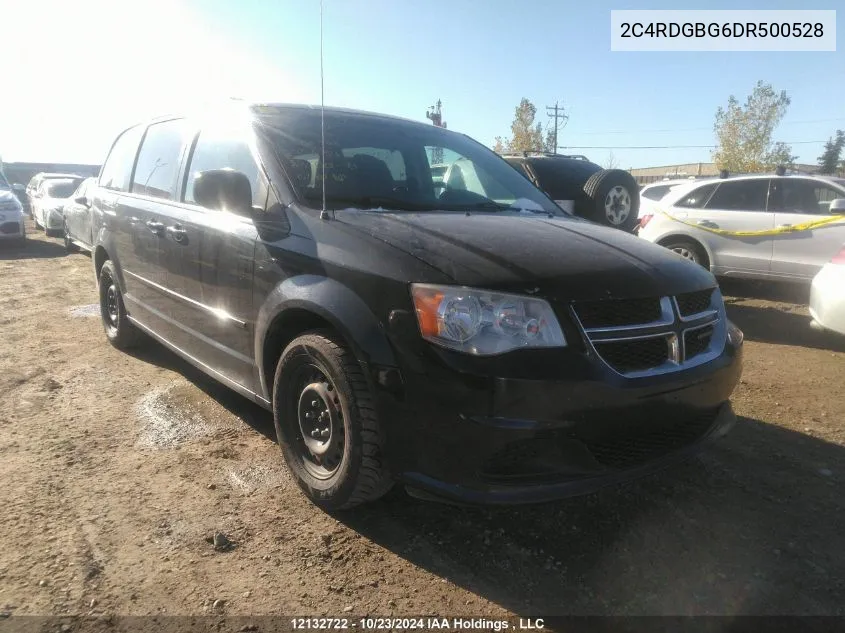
x=118, y=469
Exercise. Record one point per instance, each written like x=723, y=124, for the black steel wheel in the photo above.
x=326, y=423
x=119, y=330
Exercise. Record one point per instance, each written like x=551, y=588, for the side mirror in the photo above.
x=837, y=207
x=83, y=200
x=223, y=190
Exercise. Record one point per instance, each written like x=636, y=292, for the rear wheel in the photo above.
x=326, y=423
x=119, y=330
x=615, y=198
x=688, y=250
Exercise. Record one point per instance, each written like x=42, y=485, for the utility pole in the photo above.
x=435, y=115
x=558, y=114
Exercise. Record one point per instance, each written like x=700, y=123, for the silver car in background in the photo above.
x=827, y=295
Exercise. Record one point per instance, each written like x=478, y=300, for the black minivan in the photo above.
x=469, y=341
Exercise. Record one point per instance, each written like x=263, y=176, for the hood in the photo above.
x=558, y=258
x=8, y=196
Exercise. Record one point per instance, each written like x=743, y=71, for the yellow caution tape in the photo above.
x=806, y=226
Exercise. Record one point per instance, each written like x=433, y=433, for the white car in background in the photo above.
x=688, y=220
x=48, y=202
x=827, y=295
x=656, y=191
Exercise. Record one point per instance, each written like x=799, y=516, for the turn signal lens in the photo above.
x=481, y=322
x=645, y=220
x=839, y=258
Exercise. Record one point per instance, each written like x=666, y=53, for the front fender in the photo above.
x=334, y=302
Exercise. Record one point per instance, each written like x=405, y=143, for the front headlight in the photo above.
x=482, y=322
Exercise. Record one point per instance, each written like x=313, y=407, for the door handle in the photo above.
x=155, y=227
x=708, y=224
x=177, y=233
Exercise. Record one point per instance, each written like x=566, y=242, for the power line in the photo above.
x=697, y=129
x=665, y=146
x=558, y=114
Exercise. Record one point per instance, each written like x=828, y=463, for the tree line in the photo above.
x=745, y=135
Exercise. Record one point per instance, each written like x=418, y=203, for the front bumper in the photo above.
x=12, y=226
x=54, y=219
x=470, y=439
x=827, y=298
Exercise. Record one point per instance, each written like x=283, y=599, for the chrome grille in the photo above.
x=634, y=355
x=614, y=313
x=638, y=337
x=692, y=303
x=697, y=341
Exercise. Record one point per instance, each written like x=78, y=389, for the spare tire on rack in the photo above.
x=614, y=199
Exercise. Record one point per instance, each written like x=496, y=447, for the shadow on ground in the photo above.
x=776, y=313
x=32, y=249
x=752, y=526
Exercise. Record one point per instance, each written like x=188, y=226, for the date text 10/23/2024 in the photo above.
x=415, y=624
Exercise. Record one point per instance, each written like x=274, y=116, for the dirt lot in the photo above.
x=116, y=468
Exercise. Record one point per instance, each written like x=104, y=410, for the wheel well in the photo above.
x=284, y=328
x=663, y=241
x=100, y=258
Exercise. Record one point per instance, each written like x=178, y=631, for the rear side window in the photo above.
x=656, y=193
x=215, y=150
x=741, y=195
x=158, y=160
x=117, y=170
x=697, y=198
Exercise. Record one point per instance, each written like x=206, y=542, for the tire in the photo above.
x=614, y=199
x=52, y=232
x=342, y=466
x=119, y=330
x=70, y=247
x=688, y=249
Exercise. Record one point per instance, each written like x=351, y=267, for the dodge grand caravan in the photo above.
x=472, y=342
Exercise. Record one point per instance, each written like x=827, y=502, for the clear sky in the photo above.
x=77, y=71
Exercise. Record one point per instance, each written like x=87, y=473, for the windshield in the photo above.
x=61, y=188
x=374, y=162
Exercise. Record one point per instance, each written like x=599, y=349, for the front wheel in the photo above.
x=327, y=425
x=70, y=247
x=688, y=250
x=119, y=330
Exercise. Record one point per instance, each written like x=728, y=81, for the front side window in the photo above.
x=158, y=159
x=117, y=170
x=740, y=195
x=374, y=162
x=798, y=195
x=222, y=150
